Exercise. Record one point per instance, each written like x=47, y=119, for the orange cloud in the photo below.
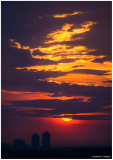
x=22, y=95
x=106, y=107
x=65, y=49
x=83, y=114
x=17, y=45
x=31, y=109
x=66, y=14
x=75, y=78
x=94, y=113
x=84, y=62
x=79, y=54
x=82, y=79
x=66, y=33
x=59, y=51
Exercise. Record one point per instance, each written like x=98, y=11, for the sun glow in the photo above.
x=67, y=119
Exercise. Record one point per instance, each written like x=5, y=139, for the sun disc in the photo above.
x=67, y=119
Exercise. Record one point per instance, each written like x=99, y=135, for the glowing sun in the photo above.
x=67, y=119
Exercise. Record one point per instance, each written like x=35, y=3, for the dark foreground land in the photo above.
x=59, y=153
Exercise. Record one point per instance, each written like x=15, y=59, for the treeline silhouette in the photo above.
x=20, y=150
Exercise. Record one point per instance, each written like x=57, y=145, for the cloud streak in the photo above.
x=66, y=14
x=73, y=64
x=81, y=60
x=67, y=32
x=8, y=96
x=82, y=79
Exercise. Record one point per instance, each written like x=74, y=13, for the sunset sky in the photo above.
x=57, y=71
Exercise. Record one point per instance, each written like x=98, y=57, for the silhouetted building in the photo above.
x=46, y=139
x=35, y=141
x=5, y=146
x=19, y=143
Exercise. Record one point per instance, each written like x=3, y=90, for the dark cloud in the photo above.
x=92, y=117
x=98, y=60
x=89, y=71
x=20, y=118
x=15, y=27
x=70, y=105
x=96, y=11
x=13, y=57
x=67, y=60
x=60, y=107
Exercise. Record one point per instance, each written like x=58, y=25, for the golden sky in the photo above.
x=56, y=49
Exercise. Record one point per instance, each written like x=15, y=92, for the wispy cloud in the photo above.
x=67, y=32
x=8, y=96
x=31, y=109
x=57, y=50
x=66, y=14
x=83, y=114
x=82, y=79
